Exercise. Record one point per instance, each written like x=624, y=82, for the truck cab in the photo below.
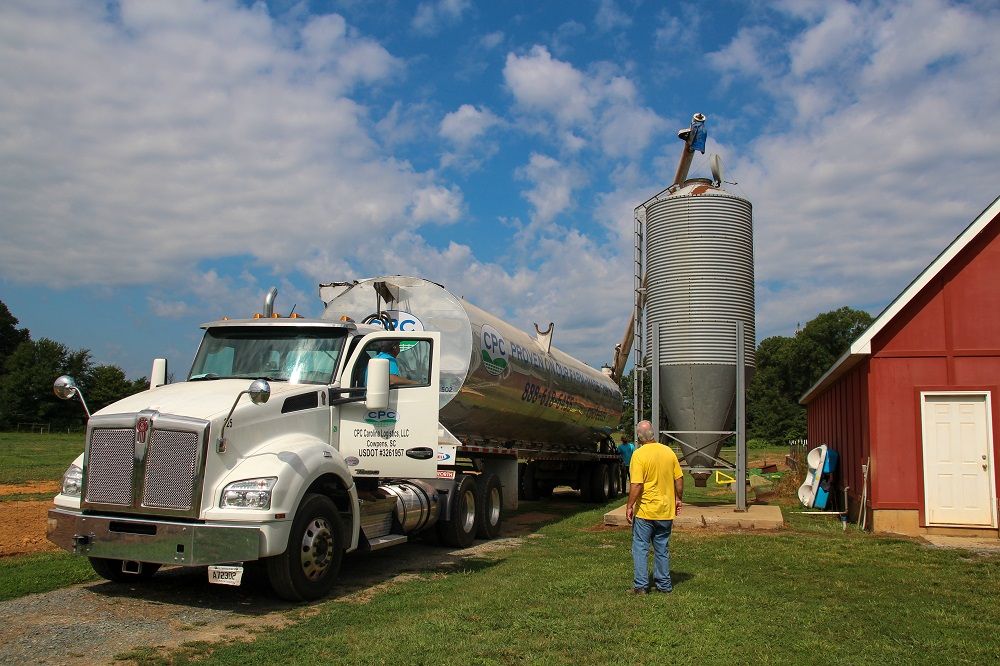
x=336, y=449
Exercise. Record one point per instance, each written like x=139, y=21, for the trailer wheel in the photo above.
x=112, y=570
x=460, y=531
x=489, y=506
x=615, y=481
x=600, y=484
x=527, y=486
x=308, y=568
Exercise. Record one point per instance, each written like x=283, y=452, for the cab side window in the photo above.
x=409, y=362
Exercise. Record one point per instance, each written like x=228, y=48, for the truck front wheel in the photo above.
x=460, y=531
x=112, y=570
x=308, y=568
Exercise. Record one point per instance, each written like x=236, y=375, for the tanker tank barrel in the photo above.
x=498, y=383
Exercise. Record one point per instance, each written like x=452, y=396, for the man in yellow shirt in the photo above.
x=654, y=499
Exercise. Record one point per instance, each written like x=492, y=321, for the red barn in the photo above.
x=917, y=395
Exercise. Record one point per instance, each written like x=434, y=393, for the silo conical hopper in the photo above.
x=700, y=281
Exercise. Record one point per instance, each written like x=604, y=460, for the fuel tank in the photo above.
x=498, y=384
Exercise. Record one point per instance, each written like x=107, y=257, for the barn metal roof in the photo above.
x=862, y=347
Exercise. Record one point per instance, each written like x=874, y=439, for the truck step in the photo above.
x=378, y=543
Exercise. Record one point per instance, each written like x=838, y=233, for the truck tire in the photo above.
x=112, y=570
x=489, y=506
x=600, y=484
x=528, y=489
x=616, y=479
x=308, y=568
x=460, y=531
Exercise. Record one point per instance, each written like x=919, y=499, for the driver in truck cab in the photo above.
x=389, y=350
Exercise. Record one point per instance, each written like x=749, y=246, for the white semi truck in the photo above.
x=402, y=409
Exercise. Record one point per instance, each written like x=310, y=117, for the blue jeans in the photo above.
x=658, y=532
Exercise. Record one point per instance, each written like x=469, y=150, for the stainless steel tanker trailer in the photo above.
x=403, y=409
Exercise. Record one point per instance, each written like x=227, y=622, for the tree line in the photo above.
x=28, y=367
x=787, y=366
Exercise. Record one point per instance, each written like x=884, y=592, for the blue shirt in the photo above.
x=626, y=451
x=393, y=365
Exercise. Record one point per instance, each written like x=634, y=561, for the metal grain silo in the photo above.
x=700, y=281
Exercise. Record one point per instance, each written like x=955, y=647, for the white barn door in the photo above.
x=958, y=459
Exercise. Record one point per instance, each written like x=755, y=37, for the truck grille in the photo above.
x=110, y=465
x=170, y=469
x=145, y=463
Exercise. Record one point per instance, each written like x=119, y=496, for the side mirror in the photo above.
x=260, y=391
x=65, y=388
x=377, y=395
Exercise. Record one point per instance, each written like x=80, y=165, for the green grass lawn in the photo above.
x=41, y=572
x=32, y=457
x=809, y=595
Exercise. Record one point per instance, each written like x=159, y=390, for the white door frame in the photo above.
x=989, y=452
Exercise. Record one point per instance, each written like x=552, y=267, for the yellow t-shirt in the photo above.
x=655, y=466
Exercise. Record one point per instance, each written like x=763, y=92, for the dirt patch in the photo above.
x=22, y=528
x=30, y=488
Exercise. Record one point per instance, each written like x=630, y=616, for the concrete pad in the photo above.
x=975, y=544
x=757, y=516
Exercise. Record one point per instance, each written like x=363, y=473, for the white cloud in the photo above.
x=186, y=132
x=874, y=168
x=466, y=124
x=430, y=17
x=609, y=17
x=602, y=104
x=541, y=83
x=491, y=40
x=552, y=186
x=437, y=204
x=168, y=309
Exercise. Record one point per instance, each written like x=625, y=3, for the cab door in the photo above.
x=401, y=440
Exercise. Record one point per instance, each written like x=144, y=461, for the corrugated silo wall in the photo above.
x=839, y=418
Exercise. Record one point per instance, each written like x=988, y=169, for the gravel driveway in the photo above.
x=94, y=622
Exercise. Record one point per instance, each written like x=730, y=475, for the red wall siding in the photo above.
x=948, y=337
x=839, y=419
x=895, y=430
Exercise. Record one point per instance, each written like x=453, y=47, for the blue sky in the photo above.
x=165, y=163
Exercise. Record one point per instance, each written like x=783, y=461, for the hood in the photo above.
x=200, y=400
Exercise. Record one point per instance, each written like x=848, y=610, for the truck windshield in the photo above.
x=298, y=355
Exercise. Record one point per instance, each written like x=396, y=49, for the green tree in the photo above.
x=626, y=384
x=106, y=384
x=10, y=335
x=788, y=366
x=26, y=384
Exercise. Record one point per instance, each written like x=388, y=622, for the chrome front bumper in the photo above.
x=145, y=540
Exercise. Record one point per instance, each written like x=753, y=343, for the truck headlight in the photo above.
x=72, y=481
x=248, y=494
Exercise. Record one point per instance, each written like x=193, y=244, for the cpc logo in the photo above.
x=381, y=418
x=493, y=350
x=401, y=321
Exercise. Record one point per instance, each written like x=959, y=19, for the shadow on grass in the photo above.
x=189, y=586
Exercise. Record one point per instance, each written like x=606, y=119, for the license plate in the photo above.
x=224, y=575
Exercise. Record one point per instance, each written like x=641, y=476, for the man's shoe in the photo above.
x=656, y=589
x=639, y=590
